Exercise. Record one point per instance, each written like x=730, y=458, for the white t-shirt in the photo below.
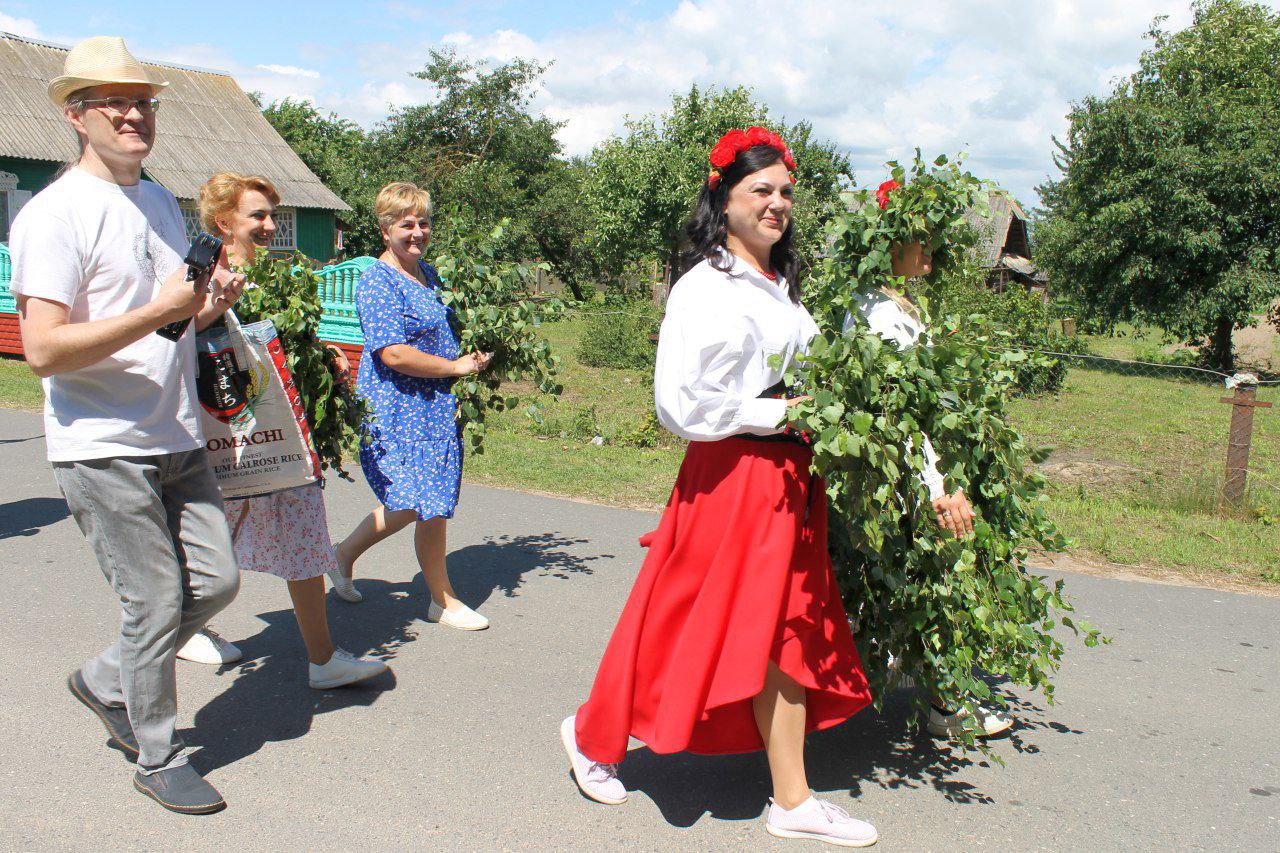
x=718, y=339
x=103, y=250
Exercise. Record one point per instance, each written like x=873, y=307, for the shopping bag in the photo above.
x=255, y=427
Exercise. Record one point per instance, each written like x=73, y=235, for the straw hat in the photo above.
x=95, y=62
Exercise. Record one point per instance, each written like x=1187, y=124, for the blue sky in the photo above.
x=993, y=78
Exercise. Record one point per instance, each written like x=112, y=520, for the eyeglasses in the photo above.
x=122, y=106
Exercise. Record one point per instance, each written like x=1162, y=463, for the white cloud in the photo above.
x=878, y=77
x=19, y=26
x=290, y=71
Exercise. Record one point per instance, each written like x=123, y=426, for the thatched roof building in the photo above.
x=207, y=124
x=1004, y=244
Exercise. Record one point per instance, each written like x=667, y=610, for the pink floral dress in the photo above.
x=285, y=534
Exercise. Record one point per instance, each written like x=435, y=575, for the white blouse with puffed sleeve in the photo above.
x=715, y=349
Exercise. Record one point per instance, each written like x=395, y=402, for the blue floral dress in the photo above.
x=412, y=453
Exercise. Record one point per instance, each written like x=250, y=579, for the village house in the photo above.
x=207, y=124
x=1004, y=245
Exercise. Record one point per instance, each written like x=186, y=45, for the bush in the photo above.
x=617, y=335
x=1019, y=314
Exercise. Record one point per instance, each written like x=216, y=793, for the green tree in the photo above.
x=642, y=184
x=341, y=155
x=1168, y=208
x=488, y=157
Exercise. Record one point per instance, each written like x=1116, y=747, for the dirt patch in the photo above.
x=1074, y=468
x=1258, y=347
x=1156, y=574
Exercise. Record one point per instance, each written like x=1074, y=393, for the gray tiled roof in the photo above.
x=207, y=124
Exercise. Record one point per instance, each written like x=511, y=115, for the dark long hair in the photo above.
x=708, y=228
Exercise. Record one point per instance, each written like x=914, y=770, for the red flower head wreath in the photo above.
x=735, y=142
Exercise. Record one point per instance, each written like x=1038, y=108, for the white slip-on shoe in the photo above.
x=948, y=725
x=463, y=617
x=819, y=820
x=343, y=586
x=598, y=781
x=207, y=646
x=342, y=669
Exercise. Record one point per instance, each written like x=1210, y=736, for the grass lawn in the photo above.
x=1134, y=472
x=19, y=387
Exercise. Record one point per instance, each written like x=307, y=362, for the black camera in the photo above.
x=201, y=258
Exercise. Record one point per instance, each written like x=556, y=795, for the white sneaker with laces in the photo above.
x=948, y=725
x=598, y=781
x=342, y=669
x=207, y=646
x=345, y=589
x=463, y=617
x=820, y=821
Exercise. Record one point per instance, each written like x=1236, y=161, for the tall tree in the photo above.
x=488, y=157
x=1168, y=208
x=642, y=184
x=340, y=153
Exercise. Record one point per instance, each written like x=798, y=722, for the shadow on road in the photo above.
x=501, y=564
x=269, y=700
x=20, y=440
x=25, y=517
x=873, y=748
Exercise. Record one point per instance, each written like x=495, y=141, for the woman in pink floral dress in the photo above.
x=285, y=533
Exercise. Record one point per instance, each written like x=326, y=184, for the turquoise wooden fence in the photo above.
x=7, y=305
x=338, y=320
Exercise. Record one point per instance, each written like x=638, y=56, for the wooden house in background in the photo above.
x=1004, y=245
x=206, y=124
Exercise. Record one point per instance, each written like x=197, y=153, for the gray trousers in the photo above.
x=158, y=530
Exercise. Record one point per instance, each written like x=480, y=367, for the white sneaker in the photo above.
x=343, y=586
x=821, y=821
x=206, y=646
x=942, y=724
x=343, y=668
x=462, y=617
x=598, y=781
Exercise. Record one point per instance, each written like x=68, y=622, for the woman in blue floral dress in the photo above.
x=412, y=453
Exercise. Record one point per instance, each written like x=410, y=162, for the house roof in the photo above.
x=207, y=124
x=993, y=229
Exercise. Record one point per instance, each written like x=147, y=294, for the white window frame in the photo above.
x=11, y=199
x=285, y=239
x=286, y=236
x=190, y=219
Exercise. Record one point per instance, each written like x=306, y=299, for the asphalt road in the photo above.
x=1167, y=739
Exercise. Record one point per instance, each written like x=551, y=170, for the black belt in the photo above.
x=776, y=391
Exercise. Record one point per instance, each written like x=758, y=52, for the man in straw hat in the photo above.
x=97, y=269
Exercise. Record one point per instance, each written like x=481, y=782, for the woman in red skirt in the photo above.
x=734, y=637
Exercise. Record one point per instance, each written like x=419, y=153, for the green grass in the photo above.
x=19, y=387
x=1134, y=474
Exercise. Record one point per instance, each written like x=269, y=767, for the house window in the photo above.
x=190, y=219
x=11, y=200
x=285, y=239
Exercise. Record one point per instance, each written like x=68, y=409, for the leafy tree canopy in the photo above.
x=641, y=185
x=341, y=155
x=1168, y=208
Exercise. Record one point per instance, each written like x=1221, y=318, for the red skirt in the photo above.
x=737, y=575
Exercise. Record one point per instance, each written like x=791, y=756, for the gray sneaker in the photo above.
x=116, y=719
x=180, y=789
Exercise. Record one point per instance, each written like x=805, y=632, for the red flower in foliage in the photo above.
x=882, y=194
